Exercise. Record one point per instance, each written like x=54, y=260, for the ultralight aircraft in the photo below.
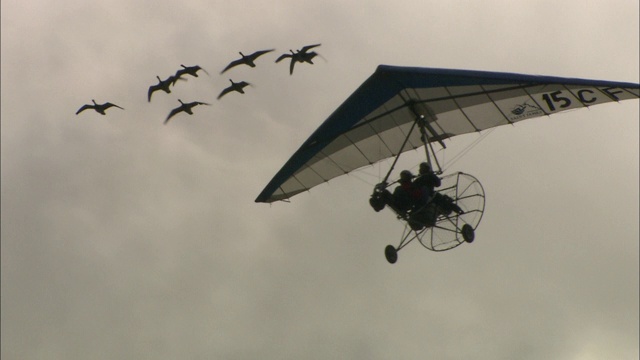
x=403, y=108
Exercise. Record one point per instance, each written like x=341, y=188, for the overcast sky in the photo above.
x=123, y=238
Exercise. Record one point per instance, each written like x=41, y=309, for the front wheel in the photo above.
x=391, y=254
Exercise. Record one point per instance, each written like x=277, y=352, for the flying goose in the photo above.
x=186, y=107
x=191, y=70
x=235, y=86
x=246, y=59
x=100, y=108
x=299, y=56
x=163, y=85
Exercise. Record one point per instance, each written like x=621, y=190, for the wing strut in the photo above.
x=425, y=130
x=424, y=115
x=383, y=183
x=424, y=126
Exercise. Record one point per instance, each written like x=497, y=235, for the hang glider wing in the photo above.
x=372, y=123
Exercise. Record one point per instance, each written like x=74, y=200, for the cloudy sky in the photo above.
x=123, y=238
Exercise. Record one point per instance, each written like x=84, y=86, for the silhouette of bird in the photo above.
x=299, y=56
x=100, y=108
x=191, y=70
x=246, y=59
x=235, y=86
x=186, y=107
x=163, y=85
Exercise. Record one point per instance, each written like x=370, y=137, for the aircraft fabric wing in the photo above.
x=372, y=124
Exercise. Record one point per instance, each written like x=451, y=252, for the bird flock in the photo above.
x=302, y=55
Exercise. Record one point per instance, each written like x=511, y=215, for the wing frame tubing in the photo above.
x=406, y=139
x=424, y=126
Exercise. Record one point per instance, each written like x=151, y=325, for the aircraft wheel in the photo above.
x=468, y=234
x=391, y=254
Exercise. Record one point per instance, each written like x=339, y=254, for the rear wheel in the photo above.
x=468, y=234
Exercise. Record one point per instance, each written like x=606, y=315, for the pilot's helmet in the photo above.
x=405, y=175
x=424, y=168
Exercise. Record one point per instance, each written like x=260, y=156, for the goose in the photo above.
x=186, y=107
x=246, y=59
x=235, y=86
x=191, y=70
x=100, y=108
x=300, y=55
x=163, y=85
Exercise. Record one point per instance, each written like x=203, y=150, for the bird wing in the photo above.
x=84, y=107
x=225, y=91
x=283, y=56
x=108, y=105
x=202, y=103
x=152, y=88
x=293, y=62
x=181, y=72
x=308, y=47
x=232, y=64
x=260, y=52
x=173, y=112
x=205, y=71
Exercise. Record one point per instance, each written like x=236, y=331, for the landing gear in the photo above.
x=439, y=225
x=468, y=234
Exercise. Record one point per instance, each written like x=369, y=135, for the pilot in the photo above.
x=407, y=194
x=427, y=180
